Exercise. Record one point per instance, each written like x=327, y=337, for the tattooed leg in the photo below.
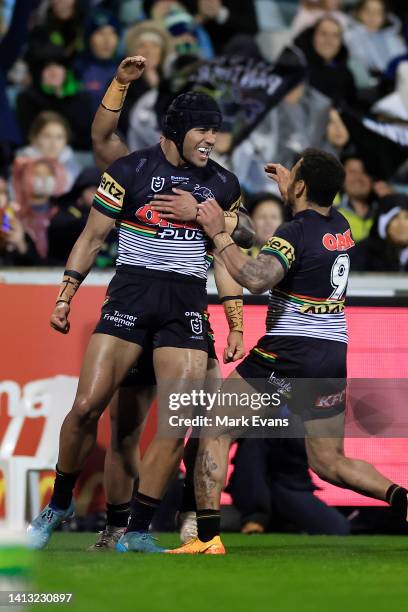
x=211, y=471
x=209, y=478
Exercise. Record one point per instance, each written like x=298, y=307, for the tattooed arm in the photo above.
x=258, y=274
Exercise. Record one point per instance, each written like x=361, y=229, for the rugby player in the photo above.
x=305, y=265
x=132, y=401
x=158, y=292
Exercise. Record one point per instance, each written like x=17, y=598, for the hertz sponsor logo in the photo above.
x=338, y=242
x=283, y=247
x=112, y=188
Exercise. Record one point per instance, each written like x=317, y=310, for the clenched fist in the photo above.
x=130, y=69
x=59, y=318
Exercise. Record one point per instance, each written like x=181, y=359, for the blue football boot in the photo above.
x=41, y=528
x=138, y=541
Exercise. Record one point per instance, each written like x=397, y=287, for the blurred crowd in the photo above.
x=58, y=56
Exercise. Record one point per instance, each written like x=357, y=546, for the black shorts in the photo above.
x=164, y=306
x=310, y=372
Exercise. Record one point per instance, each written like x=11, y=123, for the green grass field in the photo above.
x=284, y=573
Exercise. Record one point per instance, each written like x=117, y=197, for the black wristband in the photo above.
x=74, y=274
x=112, y=110
x=226, y=247
x=230, y=297
x=218, y=233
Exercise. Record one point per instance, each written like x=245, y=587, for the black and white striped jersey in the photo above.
x=314, y=252
x=126, y=191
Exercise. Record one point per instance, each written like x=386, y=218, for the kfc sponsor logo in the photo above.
x=330, y=401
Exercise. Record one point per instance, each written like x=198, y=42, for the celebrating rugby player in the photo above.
x=158, y=296
x=131, y=402
x=305, y=265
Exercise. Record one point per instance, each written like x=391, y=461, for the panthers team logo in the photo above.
x=202, y=192
x=157, y=183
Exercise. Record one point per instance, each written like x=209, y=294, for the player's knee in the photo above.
x=86, y=410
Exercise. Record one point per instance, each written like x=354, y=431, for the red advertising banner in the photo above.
x=32, y=354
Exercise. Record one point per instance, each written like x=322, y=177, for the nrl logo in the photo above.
x=197, y=326
x=157, y=183
x=196, y=322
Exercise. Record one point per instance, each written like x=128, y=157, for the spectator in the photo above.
x=222, y=20
x=327, y=58
x=10, y=47
x=386, y=248
x=97, y=65
x=310, y=11
x=188, y=37
x=16, y=247
x=358, y=203
x=266, y=211
x=373, y=40
x=272, y=489
x=72, y=210
x=48, y=137
x=35, y=182
x=55, y=89
x=61, y=26
x=153, y=42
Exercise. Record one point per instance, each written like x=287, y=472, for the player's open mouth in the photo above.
x=204, y=152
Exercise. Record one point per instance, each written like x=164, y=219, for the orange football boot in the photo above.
x=196, y=547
